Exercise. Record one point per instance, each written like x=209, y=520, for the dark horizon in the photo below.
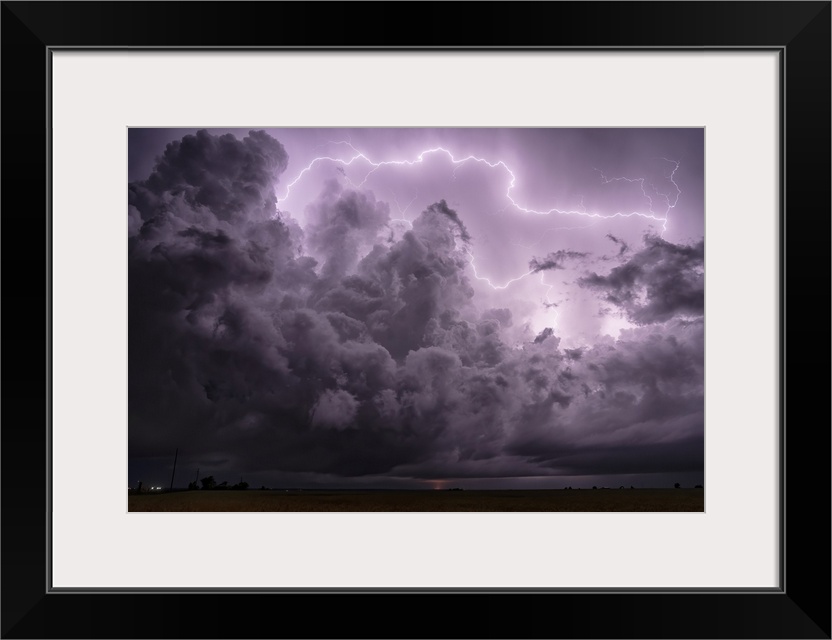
x=417, y=308
x=467, y=484
x=415, y=489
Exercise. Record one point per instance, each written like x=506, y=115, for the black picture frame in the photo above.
x=799, y=31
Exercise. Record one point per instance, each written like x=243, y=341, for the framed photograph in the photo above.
x=422, y=320
x=373, y=320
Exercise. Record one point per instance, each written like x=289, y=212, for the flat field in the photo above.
x=575, y=500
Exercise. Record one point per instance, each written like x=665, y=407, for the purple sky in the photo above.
x=417, y=307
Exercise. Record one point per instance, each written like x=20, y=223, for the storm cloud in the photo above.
x=554, y=260
x=661, y=281
x=320, y=348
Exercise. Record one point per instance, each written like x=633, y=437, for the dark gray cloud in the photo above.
x=343, y=225
x=623, y=247
x=554, y=260
x=661, y=281
x=220, y=177
x=330, y=352
x=640, y=394
x=443, y=208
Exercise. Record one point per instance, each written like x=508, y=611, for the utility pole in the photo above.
x=175, y=456
x=196, y=480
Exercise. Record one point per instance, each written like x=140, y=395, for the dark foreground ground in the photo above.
x=556, y=500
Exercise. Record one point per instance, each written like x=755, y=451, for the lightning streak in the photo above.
x=494, y=165
x=668, y=204
x=548, y=303
x=399, y=207
x=488, y=281
x=548, y=290
x=650, y=214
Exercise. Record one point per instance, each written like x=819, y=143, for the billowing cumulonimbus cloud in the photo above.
x=660, y=282
x=334, y=350
x=335, y=408
x=343, y=226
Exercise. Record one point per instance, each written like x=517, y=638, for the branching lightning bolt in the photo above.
x=399, y=207
x=499, y=164
x=548, y=303
x=488, y=281
x=669, y=205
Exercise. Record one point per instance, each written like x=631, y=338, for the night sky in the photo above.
x=416, y=308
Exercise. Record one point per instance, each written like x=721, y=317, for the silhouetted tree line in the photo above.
x=209, y=484
x=623, y=487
